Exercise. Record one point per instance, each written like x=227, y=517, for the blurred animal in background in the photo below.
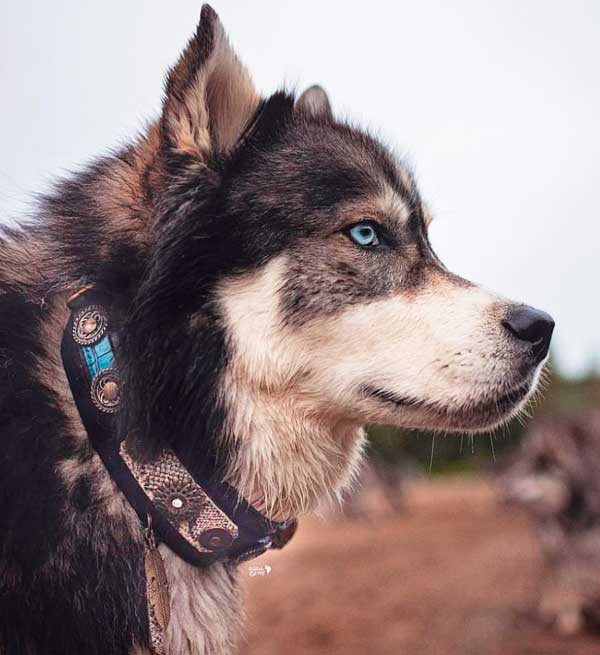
x=555, y=476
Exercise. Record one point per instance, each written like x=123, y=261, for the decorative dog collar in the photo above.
x=202, y=521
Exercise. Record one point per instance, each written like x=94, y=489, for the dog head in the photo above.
x=292, y=261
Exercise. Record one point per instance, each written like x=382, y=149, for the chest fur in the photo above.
x=206, y=613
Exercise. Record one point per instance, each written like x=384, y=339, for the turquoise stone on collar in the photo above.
x=99, y=356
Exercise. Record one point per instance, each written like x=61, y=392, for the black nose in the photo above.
x=531, y=325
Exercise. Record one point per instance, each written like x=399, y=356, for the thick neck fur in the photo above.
x=206, y=608
x=286, y=459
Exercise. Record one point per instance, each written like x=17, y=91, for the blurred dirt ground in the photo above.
x=456, y=574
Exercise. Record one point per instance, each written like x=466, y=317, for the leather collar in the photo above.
x=201, y=520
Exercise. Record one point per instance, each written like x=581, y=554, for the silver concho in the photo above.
x=89, y=325
x=106, y=390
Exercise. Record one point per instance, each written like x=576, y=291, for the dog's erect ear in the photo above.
x=315, y=103
x=209, y=96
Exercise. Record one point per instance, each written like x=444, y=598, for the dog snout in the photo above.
x=532, y=326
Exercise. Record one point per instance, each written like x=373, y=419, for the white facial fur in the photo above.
x=296, y=394
x=444, y=345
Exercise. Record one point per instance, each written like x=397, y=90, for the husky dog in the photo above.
x=554, y=476
x=275, y=290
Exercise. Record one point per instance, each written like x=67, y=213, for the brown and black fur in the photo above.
x=177, y=228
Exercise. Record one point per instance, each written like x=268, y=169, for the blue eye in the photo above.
x=364, y=234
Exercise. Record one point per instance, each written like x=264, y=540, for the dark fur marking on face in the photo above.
x=282, y=191
x=320, y=284
x=324, y=277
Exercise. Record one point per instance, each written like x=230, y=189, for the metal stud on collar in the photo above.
x=89, y=326
x=106, y=391
x=216, y=539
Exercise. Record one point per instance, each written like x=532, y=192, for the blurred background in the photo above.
x=450, y=544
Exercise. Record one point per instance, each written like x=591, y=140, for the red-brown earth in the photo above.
x=457, y=573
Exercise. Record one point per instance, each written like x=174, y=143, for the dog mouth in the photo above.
x=473, y=415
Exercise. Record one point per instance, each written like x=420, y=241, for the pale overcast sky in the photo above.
x=496, y=104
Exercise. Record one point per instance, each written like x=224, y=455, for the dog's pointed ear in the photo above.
x=209, y=96
x=315, y=103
